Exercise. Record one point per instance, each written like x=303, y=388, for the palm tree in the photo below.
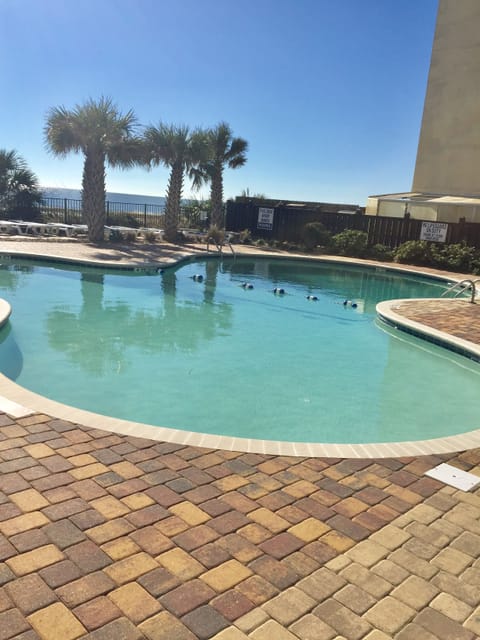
x=19, y=189
x=180, y=149
x=103, y=134
x=224, y=151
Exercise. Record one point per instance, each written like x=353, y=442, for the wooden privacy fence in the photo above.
x=286, y=223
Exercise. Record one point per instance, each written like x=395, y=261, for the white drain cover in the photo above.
x=454, y=477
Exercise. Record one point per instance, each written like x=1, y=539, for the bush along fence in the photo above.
x=285, y=222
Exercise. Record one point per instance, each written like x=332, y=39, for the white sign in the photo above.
x=265, y=218
x=434, y=231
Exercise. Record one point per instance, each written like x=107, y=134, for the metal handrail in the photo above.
x=462, y=283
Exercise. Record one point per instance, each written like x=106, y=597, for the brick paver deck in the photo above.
x=109, y=537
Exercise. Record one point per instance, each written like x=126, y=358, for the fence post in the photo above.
x=65, y=210
x=145, y=215
x=108, y=211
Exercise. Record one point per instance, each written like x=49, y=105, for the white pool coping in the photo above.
x=14, y=396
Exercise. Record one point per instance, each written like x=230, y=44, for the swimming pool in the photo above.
x=214, y=356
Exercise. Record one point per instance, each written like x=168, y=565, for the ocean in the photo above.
x=128, y=198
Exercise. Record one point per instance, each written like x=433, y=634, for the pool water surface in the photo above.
x=210, y=355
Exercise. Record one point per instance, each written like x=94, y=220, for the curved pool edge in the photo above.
x=35, y=403
x=12, y=393
x=386, y=312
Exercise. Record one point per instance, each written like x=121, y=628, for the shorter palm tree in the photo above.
x=223, y=151
x=103, y=134
x=20, y=192
x=180, y=149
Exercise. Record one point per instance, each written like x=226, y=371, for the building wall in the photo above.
x=448, y=156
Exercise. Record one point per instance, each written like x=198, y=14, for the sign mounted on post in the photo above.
x=434, y=231
x=265, y=218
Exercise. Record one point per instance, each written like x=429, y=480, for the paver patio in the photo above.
x=104, y=536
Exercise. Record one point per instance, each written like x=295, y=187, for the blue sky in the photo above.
x=328, y=93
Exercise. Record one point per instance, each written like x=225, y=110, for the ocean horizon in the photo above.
x=127, y=198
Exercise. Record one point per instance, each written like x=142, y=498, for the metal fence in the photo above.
x=288, y=222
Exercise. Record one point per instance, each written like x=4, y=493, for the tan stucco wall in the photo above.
x=448, y=157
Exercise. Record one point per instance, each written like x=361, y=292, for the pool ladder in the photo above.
x=220, y=245
x=462, y=285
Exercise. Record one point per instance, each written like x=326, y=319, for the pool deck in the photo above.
x=115, y=537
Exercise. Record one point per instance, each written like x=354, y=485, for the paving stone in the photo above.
x=226, y=575
x=473, y=621
x=22, y=523
x=391, y=537
x=467, y=543
x=110, y=530
x=58, y=574
x=289, y=606
x=337, y=541
x=367, y=553
x=442, y=627
x=276, y=572
x=135, y=602
x=180, y=564
x=205, y=622
x=187, y=597
x=257, y=589
x=272, y=629
x=232, y=604
x=343, y=620
x=97, y=613
x=63, y=533
x=389, y=615
x=35, y=560
x=158, y=582
x=365, y=579
x=86, y=588
x=281, y=545
x=391, y=572
x=29, y=500
x=452, y=561
x=355, y=598
x=321, y=584
x=414, y=632
x=12, y=623
x=118, y=629
x=231, y=633
x=56, y=622
x=412, y=564
x=310, y=627
x=164, y=626
x=88, y=556
x=458, y=588
x=130, y=568
x=30, y=593
x=451, y=607
x=415, y=592
x=269, y=520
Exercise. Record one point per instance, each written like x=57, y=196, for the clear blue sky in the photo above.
x=328, y=93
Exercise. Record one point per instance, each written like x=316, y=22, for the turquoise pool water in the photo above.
x=215, y=357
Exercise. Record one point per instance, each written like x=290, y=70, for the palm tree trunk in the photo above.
x=174, y=197
x=93, y=194
x=216, y=196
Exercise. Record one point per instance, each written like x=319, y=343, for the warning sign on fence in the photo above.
x=434, y=231
x=265, y=218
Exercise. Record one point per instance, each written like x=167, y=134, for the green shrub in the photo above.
x=314, y=234
x=216, y=234
x=246, y=236
x=381, y=252
x=415, y=252
x=351, y=243
x=455, y=257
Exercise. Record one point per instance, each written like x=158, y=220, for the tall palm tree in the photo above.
x=224, y=151
x=180, y=149
x=103, y=134
x=19, y=189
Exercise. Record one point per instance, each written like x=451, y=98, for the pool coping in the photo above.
x=31, y=402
